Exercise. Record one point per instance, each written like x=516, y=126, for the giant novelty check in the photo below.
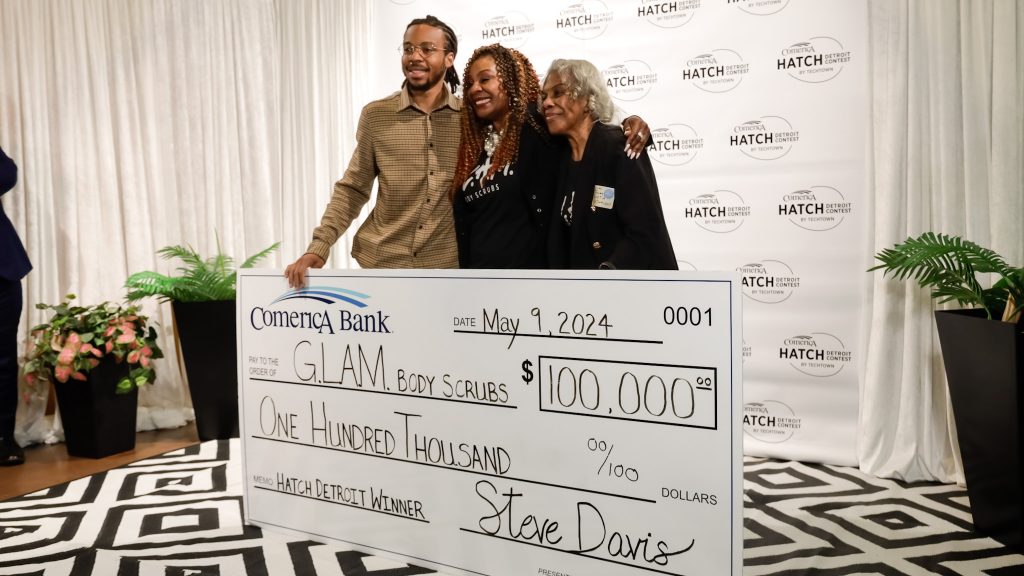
x=498, y=423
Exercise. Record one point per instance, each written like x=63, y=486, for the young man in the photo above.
x=408, y=141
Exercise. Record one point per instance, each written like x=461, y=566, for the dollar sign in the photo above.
x=527, y=373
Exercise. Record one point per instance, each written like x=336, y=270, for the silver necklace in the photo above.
x=492, y=138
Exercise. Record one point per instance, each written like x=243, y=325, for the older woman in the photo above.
x=506, y=173
x=609, y=211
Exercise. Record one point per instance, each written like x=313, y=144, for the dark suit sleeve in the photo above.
x=8, y=173
x=14, y=262
x=644, y=243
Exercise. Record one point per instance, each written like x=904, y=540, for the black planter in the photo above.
x=97, y=421
x=984, y=362
x=206, y=331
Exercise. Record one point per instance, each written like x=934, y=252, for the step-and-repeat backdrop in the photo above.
x=759, y=110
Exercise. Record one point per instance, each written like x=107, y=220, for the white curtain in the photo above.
x=141, y=124
x=324, y=84
x=948, y=151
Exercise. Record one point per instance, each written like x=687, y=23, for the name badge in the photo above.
x=604, y=197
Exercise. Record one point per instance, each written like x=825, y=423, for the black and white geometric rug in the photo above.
x=180, y=514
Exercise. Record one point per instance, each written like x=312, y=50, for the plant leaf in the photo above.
x=948, y=266
x=257, y=257
x=197, y=280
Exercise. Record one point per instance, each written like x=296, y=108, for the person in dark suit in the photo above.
x=608, y=211
x=14, y=265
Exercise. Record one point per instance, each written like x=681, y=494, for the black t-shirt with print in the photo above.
x=500, y=220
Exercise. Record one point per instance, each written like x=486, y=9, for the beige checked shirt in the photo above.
x=412, y=154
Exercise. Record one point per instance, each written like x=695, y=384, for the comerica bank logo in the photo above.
x=768, y=138
x=817, y=60
x=675, y=144
x=317, y=314
x=717, y=71
x=631, y=80
x=584, y=20
x=759, y=7
x=721, y=211
x=819, y=208
x=512, y=29
x=668, y=13
x=325, y=294
x=818, y=354
x=768, y=281
x=769, y=421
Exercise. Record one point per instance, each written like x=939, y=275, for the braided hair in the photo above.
x=520, y=82
x=451, y=44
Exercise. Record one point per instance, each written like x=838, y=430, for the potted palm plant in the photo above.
x=97, y=357
x=983, y=353
x=202, y=296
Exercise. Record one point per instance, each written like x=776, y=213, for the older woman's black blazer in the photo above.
x=632, y=233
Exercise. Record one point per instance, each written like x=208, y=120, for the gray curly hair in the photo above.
x=584, y=81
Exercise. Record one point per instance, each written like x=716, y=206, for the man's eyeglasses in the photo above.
x=427, y=49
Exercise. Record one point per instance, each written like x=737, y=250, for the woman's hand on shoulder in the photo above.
x=637, y=134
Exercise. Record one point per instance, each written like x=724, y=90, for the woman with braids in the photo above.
x=506, y=172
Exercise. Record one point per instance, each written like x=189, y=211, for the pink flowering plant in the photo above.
x=77, y=337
